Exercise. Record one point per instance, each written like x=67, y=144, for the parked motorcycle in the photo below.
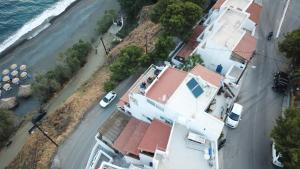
x=270, y=35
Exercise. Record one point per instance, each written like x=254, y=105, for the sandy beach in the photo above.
x=41, y=52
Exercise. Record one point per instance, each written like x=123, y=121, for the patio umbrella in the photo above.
x=5, y=72
x=6, y=87
x=13, y=66
x=14, y=73
x=23, y=75
x=5, y=78
x=23, y=67
x=15, y=80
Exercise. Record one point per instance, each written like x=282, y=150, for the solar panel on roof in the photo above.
x=194, y=87
x=197, y=91
x=192, y=84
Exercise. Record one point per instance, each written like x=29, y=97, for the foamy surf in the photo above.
x=51, y=12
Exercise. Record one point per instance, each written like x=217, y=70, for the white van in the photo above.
x=276, y=156
x=234, y=116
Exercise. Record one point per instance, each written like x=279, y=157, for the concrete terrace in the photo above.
x=148, y=77
x=237, y=4
x=229, y=31
x=183, y=153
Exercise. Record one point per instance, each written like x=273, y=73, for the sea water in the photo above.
x=18, y=17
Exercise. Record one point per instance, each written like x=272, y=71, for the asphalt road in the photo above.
x=248, y=146
x=41, y=53
x=75, y=151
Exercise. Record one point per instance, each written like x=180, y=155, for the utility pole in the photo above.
x=35, y=121
x=104, y=45
x=146, y=37
x=37, y=126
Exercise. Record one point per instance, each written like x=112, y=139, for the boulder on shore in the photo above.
x=8, y=103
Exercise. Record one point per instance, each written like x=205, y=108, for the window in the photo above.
x=151, y=102
x=168, y=121
x=155, y=105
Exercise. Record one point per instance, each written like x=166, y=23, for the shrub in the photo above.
x=106, y=21
x=44, y=86
x=191, y=62
x=109, y=85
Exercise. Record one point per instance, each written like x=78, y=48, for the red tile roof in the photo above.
x=156, y=137
x=246, y=46
x=166, y=84
x=192, y=43
x=254, y=10
x=208, y=75
x=218, y=4
x=131, y=136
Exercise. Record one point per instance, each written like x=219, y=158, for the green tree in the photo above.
x=163, y=46
x=286, y=135
x=191, y=62
x=126, y=63
x=132, y=7
x=201, y=3
x=290, y=46
x=44, y=87
x=161, y=7
x=180, y=17
x=6, y=126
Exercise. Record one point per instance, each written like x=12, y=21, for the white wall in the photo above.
x=141, y=109
x=145, y=159
x=102, y=144
x=132, y=160
x=249, y=25
x=214, y=54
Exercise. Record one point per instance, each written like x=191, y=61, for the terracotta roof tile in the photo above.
x=208, y=75
x=218, y=4
x=156, y=137
x=166, y=84
x=254, y=10
x=131, y=136
x=246, y=46
x=192, y=43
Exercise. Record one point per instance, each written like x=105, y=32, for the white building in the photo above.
x=191, y=102
x=228, y=38
x=176, y=95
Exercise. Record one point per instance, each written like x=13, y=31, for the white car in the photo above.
x=234, y=116
x=276, y=156
x=108, y=98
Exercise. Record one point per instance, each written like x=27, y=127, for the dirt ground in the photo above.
x=147, y=31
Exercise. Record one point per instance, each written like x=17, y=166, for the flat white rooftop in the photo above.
x=229, y=31
x=183, y=153
x=237, y=4
x=185, y=103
